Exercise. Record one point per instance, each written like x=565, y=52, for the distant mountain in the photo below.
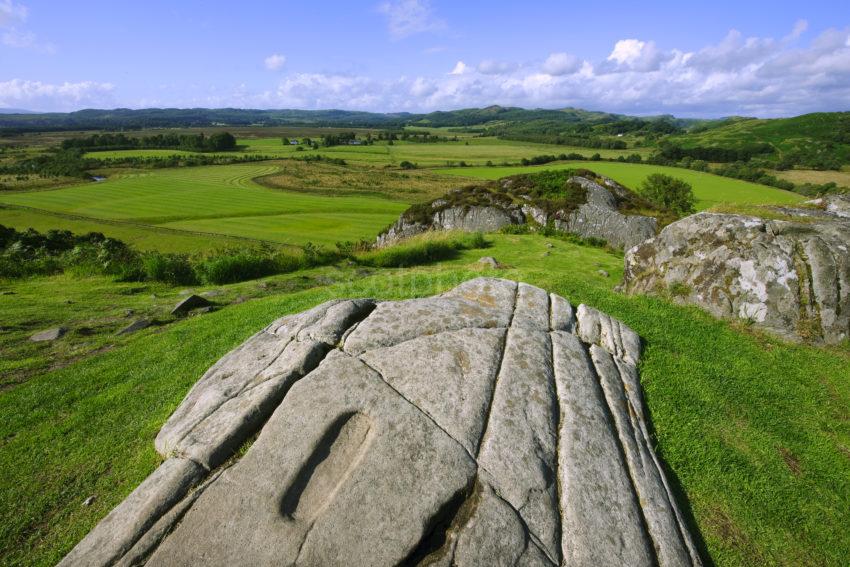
x=16, y=111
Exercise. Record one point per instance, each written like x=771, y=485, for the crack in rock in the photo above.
x=492, y=424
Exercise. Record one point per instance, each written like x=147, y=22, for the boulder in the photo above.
x=468, y=219
x=788, y=277
x=490, y=425
x=49, y=334
x=137, y=325
x=598, y=217
x=191, y=302
x=489, y=262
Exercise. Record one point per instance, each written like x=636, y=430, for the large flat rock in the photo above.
x=492, y=425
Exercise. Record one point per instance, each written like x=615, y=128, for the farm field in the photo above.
x=840, y=178
x=709, y=190
x=472, y=150
x=218, y=199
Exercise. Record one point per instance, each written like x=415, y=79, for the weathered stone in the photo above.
x=790, y=278
x=491, y=425
x=191, y=302
x=489, y=262
x=49, y=334
x=137, y=325
x=618, y=230
x=598, y=217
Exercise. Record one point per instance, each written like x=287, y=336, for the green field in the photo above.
x=754, y=431
x=709, y=190
x=476, y=151
x=217, y=200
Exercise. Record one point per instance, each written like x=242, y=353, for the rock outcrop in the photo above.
x=789, y=277
x=491, y=425
x=597, y=215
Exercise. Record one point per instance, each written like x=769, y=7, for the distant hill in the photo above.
x=817, y=140
x=491, y=116
x=16, y=111
x=820, y=140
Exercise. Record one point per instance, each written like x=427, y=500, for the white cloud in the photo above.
x=12, y=19
x=561, y=64
x=410, y=17
x=11, y=14
x=460, y=68
x=735, y=75
x=275, y=62
x=627, y=51
x=493, y=67
x=800, y=27
x=636, y=55
x=733, y=52
x=36, y=95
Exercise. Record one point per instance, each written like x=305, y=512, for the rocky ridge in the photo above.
x=790, y=277
x=491, y=425
x=593, y=209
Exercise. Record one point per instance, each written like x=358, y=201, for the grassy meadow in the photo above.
x=214, y=201
x=472, y=150
x=754, y=431
x=709, y=190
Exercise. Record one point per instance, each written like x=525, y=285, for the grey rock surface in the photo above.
x=49, y=334
x=490, y=425
x=189, y=303
x=489, y=262
x=135, y=326
x=597, y=218
x=791, y=278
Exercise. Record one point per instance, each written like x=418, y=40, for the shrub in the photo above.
x=235, y=267
x=168, y=268
x=424, y=249
x=668, y=193
x=407, y=165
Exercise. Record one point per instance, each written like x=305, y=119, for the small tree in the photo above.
x=668, y=193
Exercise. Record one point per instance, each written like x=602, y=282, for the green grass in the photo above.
x=817, y=130
x=140, y=236
x=218, y=200
x=755, y=432
x=709, y=190
x=472, y=150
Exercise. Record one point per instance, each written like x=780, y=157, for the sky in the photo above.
x=690, y=59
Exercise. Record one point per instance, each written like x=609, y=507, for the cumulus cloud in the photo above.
x=561, y=64
x=736, y=75
x=410, y=17
x=275, y=62
x=460, y=68
x=36, y=95
x=492, y=67
x=635, y=55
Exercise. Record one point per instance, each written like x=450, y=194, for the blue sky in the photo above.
x=720, y=58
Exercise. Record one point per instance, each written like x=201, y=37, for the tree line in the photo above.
x=217, y=142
